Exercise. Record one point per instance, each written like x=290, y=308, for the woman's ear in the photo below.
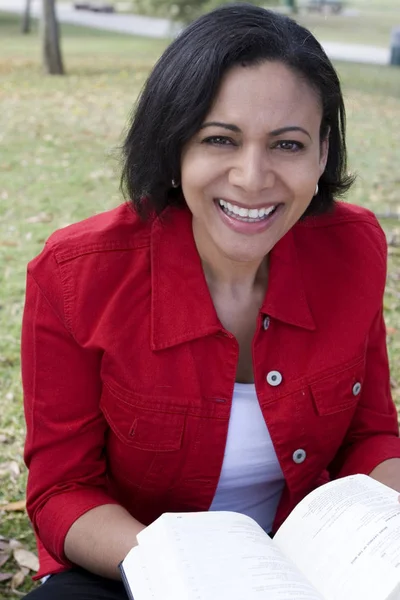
x=323, y=158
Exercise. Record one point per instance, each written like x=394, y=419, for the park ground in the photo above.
x=59, y=140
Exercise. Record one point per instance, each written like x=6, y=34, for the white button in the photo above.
x=356, y=388
x=274, y=378
x=299, y=456
x=266, y=323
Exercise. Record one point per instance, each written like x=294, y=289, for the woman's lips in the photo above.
x=248, y=225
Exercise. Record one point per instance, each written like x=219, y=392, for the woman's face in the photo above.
x=250, y=172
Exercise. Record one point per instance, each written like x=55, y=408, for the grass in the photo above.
x=363, y=22
x=369, y=27
x=58, y=142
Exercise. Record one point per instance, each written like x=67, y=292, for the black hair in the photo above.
x=183, y=84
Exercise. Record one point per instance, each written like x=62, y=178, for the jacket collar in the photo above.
x=182, y=308
x=286, y=298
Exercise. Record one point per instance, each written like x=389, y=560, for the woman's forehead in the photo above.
x=266, y=91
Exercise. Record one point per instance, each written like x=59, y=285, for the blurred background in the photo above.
x=69, y=77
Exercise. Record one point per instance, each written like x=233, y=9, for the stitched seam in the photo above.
x=131, y=442
x=199, y=412
x=343, y=369
x=158, y=407
x=301, y=383
x=34, y=363
x=63, y=321
x=65, y=288
x=65, y=256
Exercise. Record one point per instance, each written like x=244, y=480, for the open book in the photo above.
x=342, y=542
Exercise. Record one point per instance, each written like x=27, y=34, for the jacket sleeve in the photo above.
x=65, y=440
x=373, y=436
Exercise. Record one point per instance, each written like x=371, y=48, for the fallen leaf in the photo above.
x=19, y=577
x=8, y=244
x=10, y=468
x=40, y=218
x=14, y=544
x=5, y=551
x=4, y=558
x=27, y=559
x=5, y=576
x=14, y=506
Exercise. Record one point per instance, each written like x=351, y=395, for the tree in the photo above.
x=26, y=18
x=52, y=58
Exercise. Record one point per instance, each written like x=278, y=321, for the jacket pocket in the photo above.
x=144, y=444
x=339, y=391
x=157, y=428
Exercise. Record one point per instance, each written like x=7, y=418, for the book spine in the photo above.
x=125, y=582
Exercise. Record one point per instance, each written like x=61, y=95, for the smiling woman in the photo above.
x=217, y=341
x=254, y=164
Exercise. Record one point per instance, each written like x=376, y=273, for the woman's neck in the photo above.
x=234, y=276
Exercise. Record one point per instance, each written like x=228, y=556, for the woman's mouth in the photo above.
x=246, y=215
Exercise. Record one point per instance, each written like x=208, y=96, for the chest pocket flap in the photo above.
x=340, y=390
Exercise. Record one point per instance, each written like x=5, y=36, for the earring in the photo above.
x=316, y=190
x=175, y=184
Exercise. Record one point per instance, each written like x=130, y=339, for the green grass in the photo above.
x=371, y=24
x=59, y=141
x=373, y=27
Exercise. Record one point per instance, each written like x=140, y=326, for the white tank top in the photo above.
x=251, y=480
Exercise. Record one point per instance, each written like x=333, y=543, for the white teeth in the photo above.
x=245, y=213
x=269, y=210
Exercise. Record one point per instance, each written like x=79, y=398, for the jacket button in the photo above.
x=266, y=322
x=299, y=456
x=356, y=388
x=274, y=378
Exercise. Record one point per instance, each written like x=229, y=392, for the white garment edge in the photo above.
x=251, y=480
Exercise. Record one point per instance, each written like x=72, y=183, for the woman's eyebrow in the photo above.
x=229, y=126
x=237, y=129
x=289, y=128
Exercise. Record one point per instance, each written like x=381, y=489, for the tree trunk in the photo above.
x=26, y=18
x=52, y=58
x=292, y=4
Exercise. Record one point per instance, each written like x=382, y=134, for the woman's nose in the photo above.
x=252, y=170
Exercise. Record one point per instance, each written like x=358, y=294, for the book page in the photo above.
x=223, y=555
x=345, y=537
x=151, y=575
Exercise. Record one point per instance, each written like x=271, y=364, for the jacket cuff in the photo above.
x=369, y=453
x=60, y=512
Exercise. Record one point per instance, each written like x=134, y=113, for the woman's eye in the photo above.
x=289, y=146
x=218, y=140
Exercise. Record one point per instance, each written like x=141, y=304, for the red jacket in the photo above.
x=128, y=374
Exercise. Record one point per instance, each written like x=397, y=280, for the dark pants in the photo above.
x=78, y=584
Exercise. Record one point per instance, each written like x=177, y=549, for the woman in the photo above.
x=217, y=342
